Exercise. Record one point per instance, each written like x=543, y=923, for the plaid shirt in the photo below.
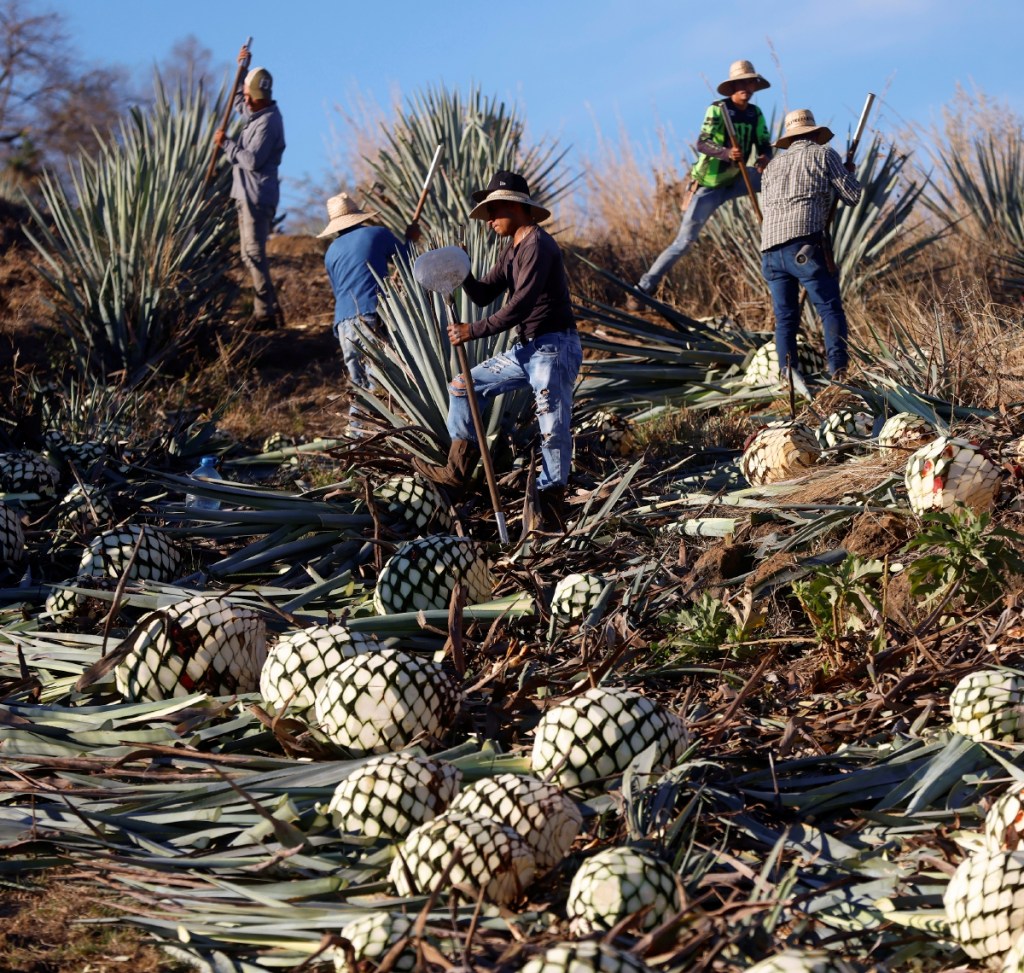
x=796, y=191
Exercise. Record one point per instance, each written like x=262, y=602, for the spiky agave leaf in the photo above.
x=575, y=596
x=422, y=575
x=203, y=644
x=141, y=551
x=616, y=883
x=131, y=246
x=596, y=735
x=779, y=452
x=988, y=705
x=392, y=794
x=484, y=855
x=372, y=938
x=984, y=903
x=585, y=957
x=948, y=472
x=299, y=661
x=546, y=818
x=385, y=701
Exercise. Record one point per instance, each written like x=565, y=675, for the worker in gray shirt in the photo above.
x=797, y=189
x=255, y=156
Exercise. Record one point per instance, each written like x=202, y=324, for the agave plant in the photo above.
x=133, y=248
x=414, y=362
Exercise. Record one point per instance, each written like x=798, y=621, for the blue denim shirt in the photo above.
x=352, y=260
x=255, y=157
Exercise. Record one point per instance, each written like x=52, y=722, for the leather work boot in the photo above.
x=553, y=510
x=456, y=474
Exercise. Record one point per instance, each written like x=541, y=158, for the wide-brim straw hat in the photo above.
x=506, y=187
x=742, y=71
x=801, y=122
x=343, y=212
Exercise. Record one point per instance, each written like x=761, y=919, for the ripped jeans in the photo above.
x=549, y=365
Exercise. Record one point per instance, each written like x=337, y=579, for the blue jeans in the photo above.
x=784, y=277
x=352, y=350
x=549, y=365
x=703, y=203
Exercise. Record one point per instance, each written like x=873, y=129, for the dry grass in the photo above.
x=59, y=925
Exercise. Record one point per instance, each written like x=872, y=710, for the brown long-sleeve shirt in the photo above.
x=534, y=275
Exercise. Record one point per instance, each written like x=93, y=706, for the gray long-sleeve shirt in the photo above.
x=256, y=155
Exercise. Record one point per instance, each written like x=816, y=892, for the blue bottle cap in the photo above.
x=208, y=461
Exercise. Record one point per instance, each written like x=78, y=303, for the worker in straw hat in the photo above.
x=797, y=189
x=255, y=156
x=715, y=176
x=357, y=257
x=545, y=357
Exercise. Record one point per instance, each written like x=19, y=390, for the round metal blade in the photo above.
x=442, y=270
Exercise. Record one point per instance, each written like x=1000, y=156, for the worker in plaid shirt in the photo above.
x=796, y=196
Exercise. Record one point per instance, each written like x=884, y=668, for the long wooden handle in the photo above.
x=742, y=164
x=851, y=154
x=434, y=163
x=227, y=111
x=481, y=432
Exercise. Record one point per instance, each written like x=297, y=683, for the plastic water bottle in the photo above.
x=207, y=470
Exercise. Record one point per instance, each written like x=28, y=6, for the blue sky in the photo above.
x=577, y=68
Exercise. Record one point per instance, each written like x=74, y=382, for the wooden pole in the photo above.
x=227, y=111
x=735, y=142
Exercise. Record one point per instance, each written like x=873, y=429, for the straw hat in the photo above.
x=342, y=212
x=742, y=71
x=801, y=122
x=509, y=186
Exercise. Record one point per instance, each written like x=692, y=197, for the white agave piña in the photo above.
x=26, y=472
x=984, y=903
x=63, y=604
x=299, y=661
x=372, y=938
x=109, y=553
x=484, y=855
x=547, y=820
x=84, y=507
x=803, y=961
x=596, y=735
x=385, y=701
x=1013, y=961
x=392, y=794
x=12, y=535
x=1004, y=822
x=844, y=426
x=415, y=501
x=780, y=451
x=616, y=883
x=763, y=367
x=950, y=471
x=989, y=705
x=203, y=644
x=585, y=957
x=422, y=574
x=905, y=430
x=575, y=596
